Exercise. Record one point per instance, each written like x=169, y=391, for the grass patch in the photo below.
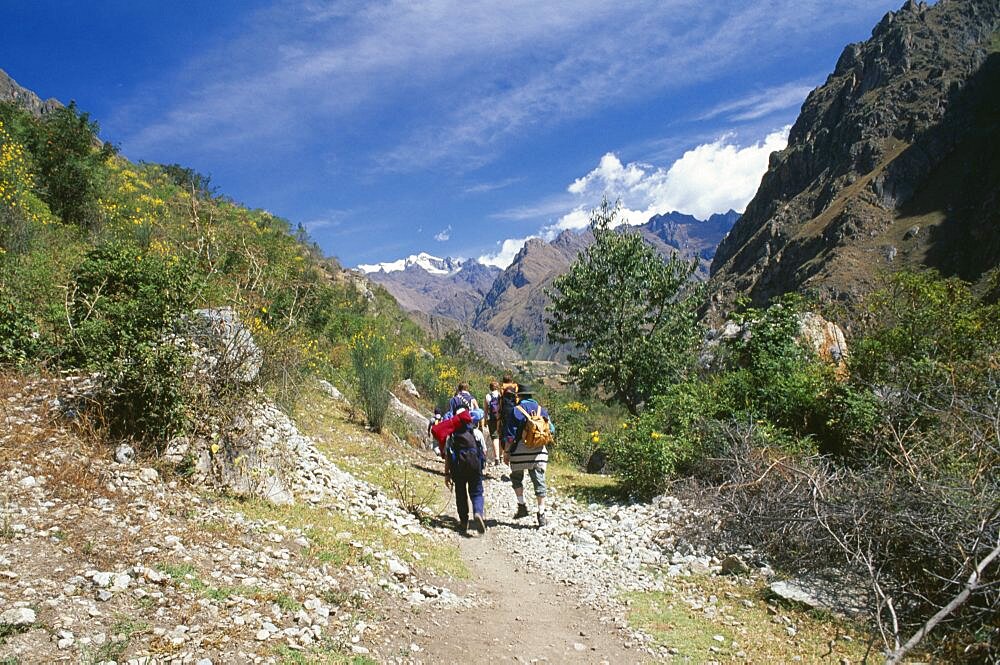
x=381, y=462
x=746, y=623
x=6, y=632
x=187, y=574
x=114, y=650
x=326, y=653
x=330, y=535
x=585, y=487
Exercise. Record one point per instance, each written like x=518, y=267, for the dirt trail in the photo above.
x=520, y=615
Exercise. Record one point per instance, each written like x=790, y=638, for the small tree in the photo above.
x=629, y=313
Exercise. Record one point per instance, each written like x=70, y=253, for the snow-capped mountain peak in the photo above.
x=431, y=264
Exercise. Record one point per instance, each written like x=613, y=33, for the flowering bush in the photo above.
x=371, y=355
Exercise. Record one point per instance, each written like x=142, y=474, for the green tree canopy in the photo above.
x=630, y=314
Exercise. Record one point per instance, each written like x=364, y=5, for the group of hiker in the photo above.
x=519, y=432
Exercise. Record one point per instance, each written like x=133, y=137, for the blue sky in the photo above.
x=453, y=127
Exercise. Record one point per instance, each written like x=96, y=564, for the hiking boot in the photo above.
x=522, y=511
x=480, y=523
x=463, y=526
x=541, y=520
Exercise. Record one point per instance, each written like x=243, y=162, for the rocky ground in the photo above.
x=103, y=562
x=108, y=562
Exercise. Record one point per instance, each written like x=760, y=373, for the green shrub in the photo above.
x=146, y=397
x=574, y=432
x=72, y=169
x=643, y=458
x=18, y=332
x=371, y=355
x=123, y=303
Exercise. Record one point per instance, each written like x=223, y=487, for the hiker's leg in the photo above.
x=495, y=438
x=537, y=475
x=476, y=494
x=462, y=499
x=517, y=482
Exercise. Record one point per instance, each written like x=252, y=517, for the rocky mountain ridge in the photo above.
x=509, y=305
x=892, y=162
x=10, y=91
x=447, y=287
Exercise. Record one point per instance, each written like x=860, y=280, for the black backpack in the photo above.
x=466, y=457
x=508, y=402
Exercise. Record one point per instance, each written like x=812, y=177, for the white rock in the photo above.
x=262, y=635
x=149, y=475
x=102, y=579
x=121, y=582
x=18, y=616
x=28, y=482
x=400, y=570
x=124, y=454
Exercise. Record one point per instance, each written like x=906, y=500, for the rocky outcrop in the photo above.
x=232, y=350
x=10, y=91
x=903, y=135
x=822, y=337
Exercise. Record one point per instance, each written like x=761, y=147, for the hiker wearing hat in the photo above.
x=523, y=457
x=465, y=456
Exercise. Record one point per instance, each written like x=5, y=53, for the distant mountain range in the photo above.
x=510, y=304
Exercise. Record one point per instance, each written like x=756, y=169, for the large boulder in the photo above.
x=816, y=333
x=232, y=351
x=825, y=338
x=416, y=421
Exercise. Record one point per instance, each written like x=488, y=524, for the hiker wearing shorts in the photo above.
x=522, y=458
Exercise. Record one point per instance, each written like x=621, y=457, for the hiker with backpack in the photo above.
x=464, y=459
x=493, y=419
x=462, y=399
x=526, y=433
x=432, y=421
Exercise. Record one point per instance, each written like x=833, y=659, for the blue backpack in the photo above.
x=493, y=406
x=465, y=454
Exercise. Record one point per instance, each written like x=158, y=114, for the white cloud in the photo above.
x=443, y=235
x=471, y=76
x=504, y=256
x=484, y=187
x=710, y=178
x=758, y=105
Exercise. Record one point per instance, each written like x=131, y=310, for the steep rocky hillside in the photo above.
x=893, y=162
x=10, y=91
x=514, y=308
